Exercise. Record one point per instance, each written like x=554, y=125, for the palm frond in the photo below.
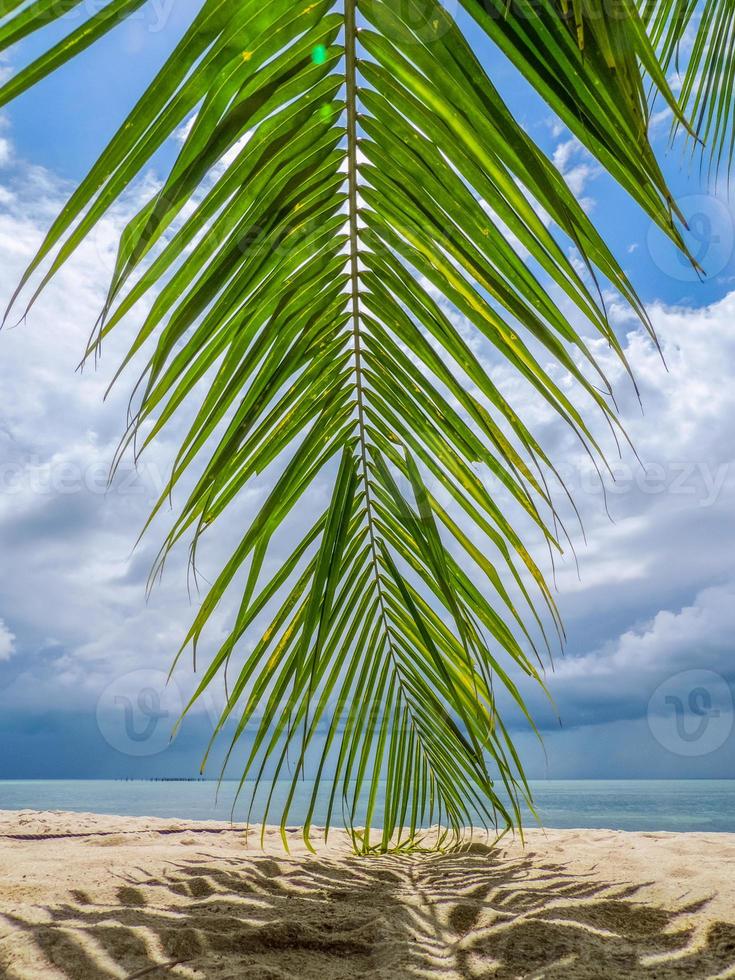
x=339, y=219
x=697, y=39
x=588, y=59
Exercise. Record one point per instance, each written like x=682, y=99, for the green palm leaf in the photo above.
x=341, y=200
x=707, y=66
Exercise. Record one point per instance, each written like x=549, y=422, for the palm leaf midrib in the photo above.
x=350, y=15
x=363, y=447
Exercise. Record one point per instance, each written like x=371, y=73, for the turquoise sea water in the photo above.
x=665, y=805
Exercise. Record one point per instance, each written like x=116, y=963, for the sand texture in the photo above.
x=85, y=896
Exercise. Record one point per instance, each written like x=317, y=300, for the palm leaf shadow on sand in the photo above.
x=462, y=915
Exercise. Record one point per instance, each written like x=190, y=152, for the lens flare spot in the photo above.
x=319, y=54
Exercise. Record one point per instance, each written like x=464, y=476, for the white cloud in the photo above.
x=575, y=164
x=7, y=642
x=67, y=539
x=660, y=119
x=564, y=152
x=654, y=590
x=629, y=677
x=182, y=133
x=656, y=594
x=685, y=420
x=698, y=635
x=77, y=593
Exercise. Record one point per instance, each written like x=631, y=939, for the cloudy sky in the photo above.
x=644, y=688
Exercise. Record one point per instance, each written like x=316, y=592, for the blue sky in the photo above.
x=650, y=618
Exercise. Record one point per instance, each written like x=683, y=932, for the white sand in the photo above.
x=91, y=896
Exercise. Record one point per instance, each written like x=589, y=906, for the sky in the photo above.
x=644, y=688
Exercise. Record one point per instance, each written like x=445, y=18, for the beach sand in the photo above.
x=88, y=896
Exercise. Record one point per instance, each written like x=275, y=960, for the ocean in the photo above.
x=643, y=805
